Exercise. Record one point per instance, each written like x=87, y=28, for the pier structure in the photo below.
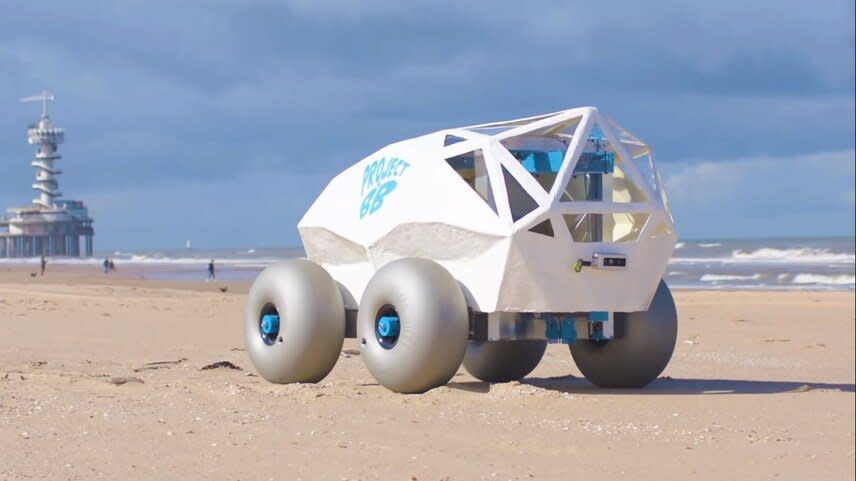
x=50, y=225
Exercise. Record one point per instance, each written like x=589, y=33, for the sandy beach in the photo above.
x=103, y=379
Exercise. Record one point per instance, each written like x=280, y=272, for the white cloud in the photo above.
x=169, y=99
x=797, y=195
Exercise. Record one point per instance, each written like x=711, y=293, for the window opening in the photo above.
x=520, y=202
x=452, y=139
x=543, y=228
x=472, y=169
x=617, y=227
x=540, y=156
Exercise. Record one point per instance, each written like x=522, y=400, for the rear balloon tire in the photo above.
x=304, y=342
x=640, y=354
x=503, y=361
x=423, y=346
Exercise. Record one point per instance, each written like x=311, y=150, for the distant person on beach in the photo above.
x=106, y=266
x=112, y=266
x=211, y=270
x=44, y=263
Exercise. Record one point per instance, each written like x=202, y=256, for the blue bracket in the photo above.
x=596, y=320
x=569, y=331
x=539, y=162
x=595, y=163
x=600, y=161
x=560, y=330
x=554, y=330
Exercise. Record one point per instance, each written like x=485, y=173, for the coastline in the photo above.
x=748, y=374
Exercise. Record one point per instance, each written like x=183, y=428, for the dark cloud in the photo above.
x=165, y=93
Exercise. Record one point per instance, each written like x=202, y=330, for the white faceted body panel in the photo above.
x=519, y=212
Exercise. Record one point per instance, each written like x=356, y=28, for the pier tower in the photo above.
x=50, y=226
x=47, y=138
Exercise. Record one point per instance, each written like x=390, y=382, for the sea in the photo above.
x=727, y=264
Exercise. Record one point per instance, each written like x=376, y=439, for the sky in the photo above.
x=220, y=121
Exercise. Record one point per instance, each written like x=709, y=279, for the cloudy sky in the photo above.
x=221, y=121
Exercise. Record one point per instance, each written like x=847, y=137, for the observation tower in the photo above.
x=50, y=226
x=48, y=138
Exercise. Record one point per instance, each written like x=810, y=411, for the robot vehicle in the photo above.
x=479, y=245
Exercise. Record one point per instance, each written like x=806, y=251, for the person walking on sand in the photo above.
x=106, y=266
x=44, y=263
x=112, y=266
x=211, y=270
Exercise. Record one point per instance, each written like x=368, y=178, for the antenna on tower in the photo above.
x=43, y=97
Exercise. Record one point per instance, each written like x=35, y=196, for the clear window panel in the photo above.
x=575, y=189
x=600, y=174
x=583, y=227
x=472, y=169
x=643, y=158
x=520, y=202
x=620, y=227
x=661, y=230
x=543, y=228
x=540, y=156
x=452, y=139
x=542, y=152
x=623, y=190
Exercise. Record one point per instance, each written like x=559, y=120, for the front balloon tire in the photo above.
x=426, y=347
x=294, y=323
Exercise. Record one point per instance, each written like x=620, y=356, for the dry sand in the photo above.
x=761, y=386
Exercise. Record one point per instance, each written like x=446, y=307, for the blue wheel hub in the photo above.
x=387, y=328
x=269, y=327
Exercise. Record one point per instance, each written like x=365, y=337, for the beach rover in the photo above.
x=479, y=245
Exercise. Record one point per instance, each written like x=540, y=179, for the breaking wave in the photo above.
x=728, y=277
x=801, y=254
x=769, y=255
x=828, y=280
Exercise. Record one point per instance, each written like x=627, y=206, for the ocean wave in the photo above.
x=680, y=245
x=728, y=277
x=800, y=254
x=143, y=259
x=769, y=255
x=832, y=280
x=710, y=244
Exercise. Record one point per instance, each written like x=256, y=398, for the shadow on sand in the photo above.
x=666, y=386
x=671, y=386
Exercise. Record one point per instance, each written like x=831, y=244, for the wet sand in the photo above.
x=102, y=379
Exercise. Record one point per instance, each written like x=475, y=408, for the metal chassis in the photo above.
x=555, y=327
